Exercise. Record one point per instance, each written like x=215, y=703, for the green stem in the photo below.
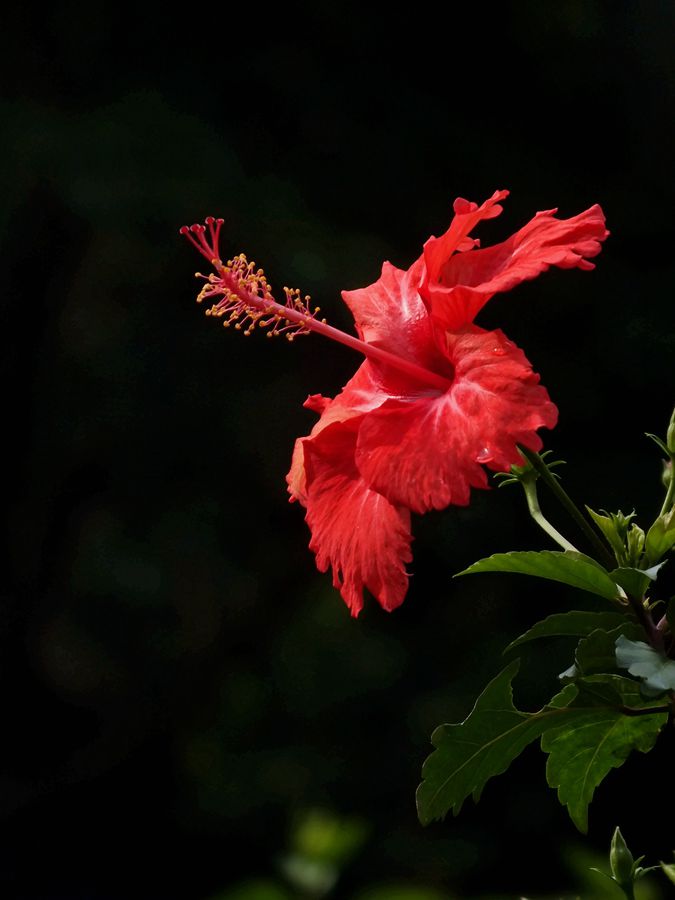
x=670, y=493
x=566, y=501
x=536, y=513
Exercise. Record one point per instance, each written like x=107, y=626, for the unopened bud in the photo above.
x=635, y=544
x=670, y=437
x=667, y=473
x=621, y=860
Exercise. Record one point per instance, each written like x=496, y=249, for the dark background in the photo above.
x=179, y=685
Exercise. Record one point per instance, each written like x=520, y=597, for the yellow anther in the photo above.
x=240, y=294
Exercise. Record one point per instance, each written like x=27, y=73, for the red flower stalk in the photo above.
x=436, y=399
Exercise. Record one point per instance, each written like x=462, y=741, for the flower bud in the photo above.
x=667, y=473
x=670, y=437
x=635, y=544
x=621, y=859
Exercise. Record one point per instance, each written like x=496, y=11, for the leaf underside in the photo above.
x=656, y=671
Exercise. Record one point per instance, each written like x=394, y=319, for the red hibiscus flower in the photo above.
x=436, y=399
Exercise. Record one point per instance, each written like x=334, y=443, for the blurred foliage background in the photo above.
x=188, y=709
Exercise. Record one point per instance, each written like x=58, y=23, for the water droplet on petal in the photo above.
x=484, y=455
x=499, y=351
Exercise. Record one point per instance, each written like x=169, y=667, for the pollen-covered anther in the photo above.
x=243, y=296
x=240, y=293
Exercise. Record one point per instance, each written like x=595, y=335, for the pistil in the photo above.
x=243, y=296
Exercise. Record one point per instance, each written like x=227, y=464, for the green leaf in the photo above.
x=485, y=744
x=635, y=581
x=322, y=836
x=611, y=529
x=657, y=440
x=567, y=567
x=468, y=754
x=655, y=669
x=597, y=739
x=569, y=624
x=661, y=537
x=669, y=871
x=597, y=652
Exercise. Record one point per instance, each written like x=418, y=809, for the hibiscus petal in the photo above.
x=466, y=281
x=317, y=402
x=356, y=531
x=388, y=307
x=391, y=314
x=429, y=452
x=467, y=215
x=362, y=393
